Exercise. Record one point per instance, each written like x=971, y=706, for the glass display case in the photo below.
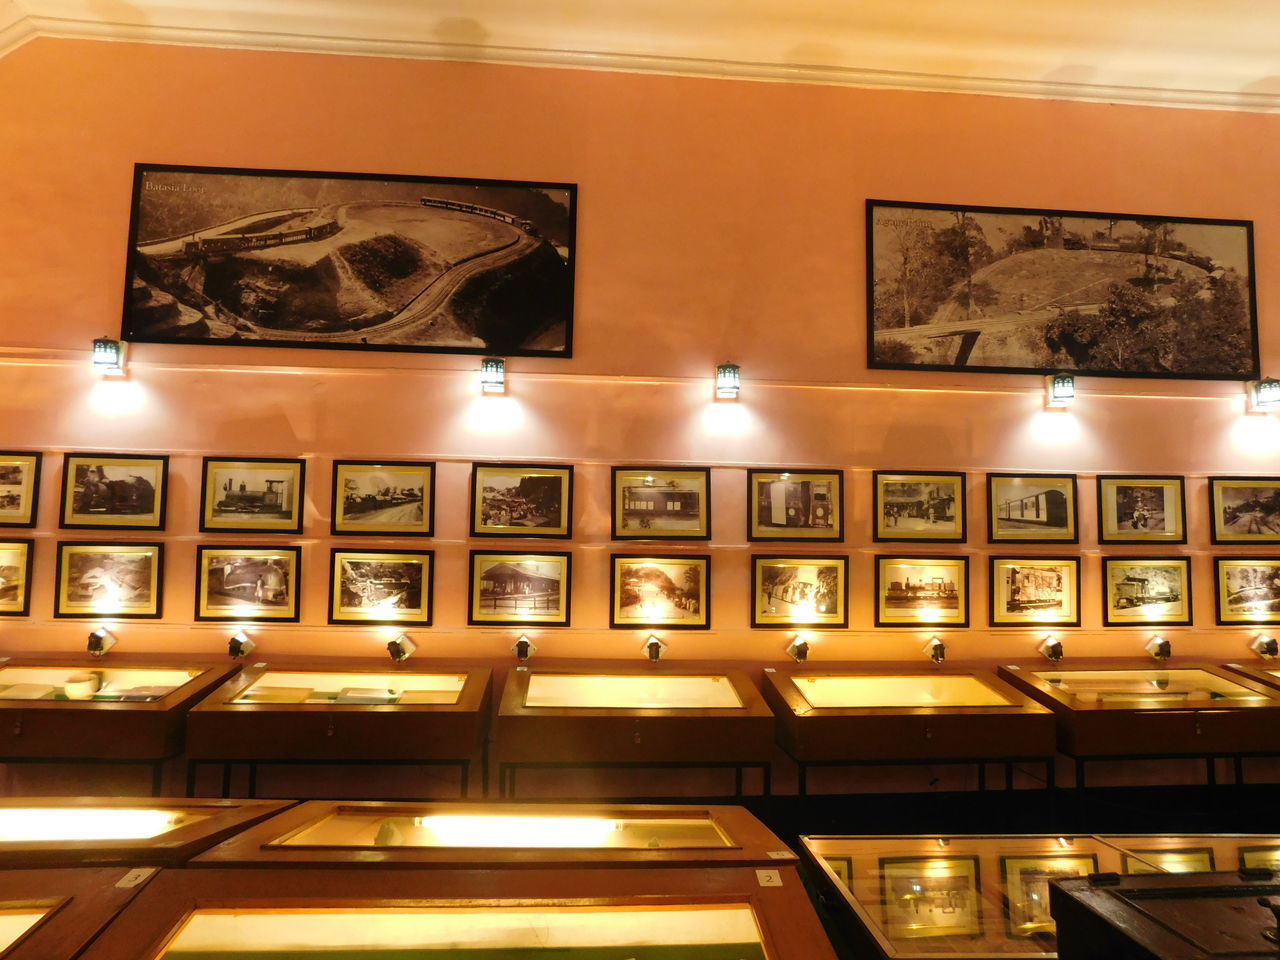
x=889, y=715
x=598, y=715
x=1197, y=852
x=343, y=712
x=52, y=914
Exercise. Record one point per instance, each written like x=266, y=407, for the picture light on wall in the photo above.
x=523, y=649
x=936, y=650
x=1051, y=647
x=653, y=648
x=240, y=645
x=798, y=649
x=1159, y=648
x=401, y=648
x=1265, y=647
x=101, y=641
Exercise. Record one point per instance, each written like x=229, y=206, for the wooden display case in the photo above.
x=122, y=709
x=600, y=715
x=54, y=914
x=469, y=835
x=343, y=712
x=892, y=715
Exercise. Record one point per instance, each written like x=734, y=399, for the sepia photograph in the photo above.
x=375, y=586
x=671, y=592
x=19, y=488
x=520, y=588
x=1179, y=860
x=1027, y=881
x=114, y=491
x=798, y=505
x=1141, y=510
x=1245, y=509
x=918, y=506
x=247, y=583
x=521, y=500
x=109, y=579
x=1014, y=290
x=1248, y=589
x=800, y=591
x=388, y=498
x=252, y=495
x=282, y=258
x=931, y=897
x=15, y=577
x=1035, y=591
x=653, y=503
x=1025, y=508
x=922, y=591
x=1146, y=591
x=1267, y=858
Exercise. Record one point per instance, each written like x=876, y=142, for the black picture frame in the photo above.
x=963, y=593
x=293, y=611
x=701, y=560
x=995, y=564
x=1267, y=507
x=950, y=237
x=29, y=516
x=1221, y=570
x=1088, y=862
x=339, y=526
x=803, y=505
x=474, y=596
x=618, y=512
x=119, y=490
x=838, y=622
x=293, y=465
x=1110, y=620
x=63, y=604
x=427, y=587
x=966, y=864
x=183, y=215
x=1036, y=509
x=879, y=527
x=28, y=546
x=1109, y=521
x=560, y=531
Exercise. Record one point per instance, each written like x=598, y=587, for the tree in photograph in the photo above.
x=963, y=246
x=913, y=240
x=895, y=351
x=828, y=585
x=692, y=583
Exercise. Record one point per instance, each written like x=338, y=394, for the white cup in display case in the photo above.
x=81, y=686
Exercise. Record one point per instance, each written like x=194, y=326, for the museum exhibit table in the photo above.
x=349, y=712
x=53, y=914
x=1124, y=709
x=890, y=715
x=647, y=913
x=474, y=834
x=602, y=716
x=121, y=709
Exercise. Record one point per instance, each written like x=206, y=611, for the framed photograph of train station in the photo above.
x=922, y=591
x=1146, y=591
x=796, y=505
x=19, y=488
x=383, y=498
x=379, y=586
x=1248, y=589
x=656, y=503
x=252, y=495
x=520, y=589
x=248, y=583
x=1032, y=508
x=1245, y=509
x=1017, y=290
x=350, y=261
x=1035, y=591
x=114, y=491
x=1141, y=510
x=110, y=580
x=918, y=506
x=15, y=577
x=670, y=592
x=521, y=500
x=931, y=897
x=808, y=591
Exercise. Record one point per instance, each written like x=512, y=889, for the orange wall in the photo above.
x=718, y=220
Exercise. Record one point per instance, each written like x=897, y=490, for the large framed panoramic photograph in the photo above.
x=521, y=500
x=1141, y=510
x=15, y=577
x=922, y=591
x=356, y=261
x=1031, y=508
x=252, y=495
x=654, y=503
x=671, y=592
x=380, y=586
x=247, y=583
x=1248, y=589
x=109, y=580
x=383, y=498
x=1035, y=591
x=1017, y=290
x=800, y=591
x=520, y=589
x=931, y=897
x=798, y=505
x=1244, y=509
x=1146, y=591
x=114, y=491
x=1026, y=883
x=19, y=488
x=914, y=505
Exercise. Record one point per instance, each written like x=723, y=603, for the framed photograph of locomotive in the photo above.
x=110, y=580
x=520, y=589
x=248, y=583
x=1027, y=508
x=19, y=488
x=521, y=500
x=922, y=591
x=931, y=897
x=350, y=261
x=808, y=591
x=379, y=586
x=1026, y=888
x=1248, y=589
x=797, y=505
x=1017, y=290
x=918, y=506
x=15, y=577
x=1146, y=591
x=113, y=491
x=1141, y=510
x=383, y=498
x=1245, y=509
x=252, y=495
x=1035, y=591
x=669, y=592
x=655, y=503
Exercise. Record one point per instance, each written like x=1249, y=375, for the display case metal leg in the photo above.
x=157, y=777
x=1238, y=769
x=226, y=779
x=766, y=780
x=464, y=772
x=982, y=776
x=802, y=778
x=1008, y=774
x=1211, y=771
x=1050, y=773
x=1079, y=773
x=737, y=780
x=484, y=770
x=191, y=777
x=252, y=792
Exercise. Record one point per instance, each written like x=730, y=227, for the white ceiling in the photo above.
x=1199, y=53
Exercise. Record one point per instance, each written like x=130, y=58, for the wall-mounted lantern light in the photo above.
x=109, y=357
x=101, y=641
x=1263, y=396
x=493, y=376
x=1059, y=391
x=728, y=381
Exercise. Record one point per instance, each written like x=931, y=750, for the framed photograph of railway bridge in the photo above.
x=380, y=587
x=1025, y=290
x=114, y=491
x=252, y=495
x=520, y=589
x=383, y=498
x=1244, y=509
x=1248, y=589
x=1035, y=591
x=810, y=591
x=922, y=591
x=350, y=261
x=795, y=505
x=672, y=592
x=1146, y=591
x=521, y=500
x=1026, y=508
x=248, y=583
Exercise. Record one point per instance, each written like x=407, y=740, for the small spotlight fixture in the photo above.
x=1159, y=648
x=1050, y=647
x=1059, y=391
x=798, y=649
x=936, y=650
x=401, y=648
x=101, y=641
x=524, y=649
x=1263, y=395
x=1265, y=647
x=493, y=376
x=653, y=648
x=240, y=645
x=728, y=381
x=109, y=357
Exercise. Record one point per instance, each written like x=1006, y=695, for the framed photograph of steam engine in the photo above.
x=380, y=586
x=383, y=498
x=521, y=500
x=1031, y=508
x=110, y=580
x=654, y=503
x=350, y=261
x=1248, y=589
x=15, y=577
x=800, y=591
x=1146, y=591
x=248, y=583
x=1141, y=510
x=918, y=506
x=520, y=589
x=252, y=495
x=113, y=491
x=1017, y=290
x=931, y=897
x=1245, y=509
x=922, y=591
x=672, y=592
x=19, y=488
x=1035, y=591
x=796, y=505
x=1026, y=884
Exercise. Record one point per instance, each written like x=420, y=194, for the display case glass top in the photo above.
x=631, y=691
x=51, y=823
x=293, y=686
x=17, y=919
x=906, y=690
x=128, y=684
x=1139, y=688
